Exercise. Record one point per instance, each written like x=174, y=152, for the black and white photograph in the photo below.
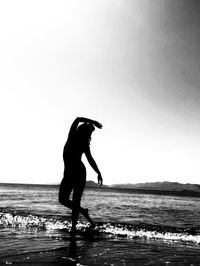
x=100, y=132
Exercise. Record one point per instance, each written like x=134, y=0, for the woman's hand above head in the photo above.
x=97, y=124
x=100, y=179
x=87, y=120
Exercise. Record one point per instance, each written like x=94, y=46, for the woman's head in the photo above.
x=84, y=132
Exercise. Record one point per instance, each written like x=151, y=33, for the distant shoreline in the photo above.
x=183, y=193
x=28, y=184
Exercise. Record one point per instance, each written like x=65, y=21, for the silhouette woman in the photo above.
x=78, y=142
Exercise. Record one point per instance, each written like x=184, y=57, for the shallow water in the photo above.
x=138, y=225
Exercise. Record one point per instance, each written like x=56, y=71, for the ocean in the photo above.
x=131, y=228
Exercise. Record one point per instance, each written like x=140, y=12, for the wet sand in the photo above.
x=110, y=251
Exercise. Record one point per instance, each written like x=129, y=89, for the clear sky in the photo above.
x=132, y=65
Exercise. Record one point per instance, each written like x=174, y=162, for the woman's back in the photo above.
x=73, y=149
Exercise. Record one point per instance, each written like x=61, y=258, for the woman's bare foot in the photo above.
x=86, y=214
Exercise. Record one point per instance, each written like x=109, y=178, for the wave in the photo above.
x=142, y=230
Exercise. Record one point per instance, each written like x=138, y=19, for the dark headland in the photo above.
x=158, y=188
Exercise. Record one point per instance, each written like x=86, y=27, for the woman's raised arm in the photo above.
x=87, y=120
x=74, y=127
x=84, y=120
x=78, y=120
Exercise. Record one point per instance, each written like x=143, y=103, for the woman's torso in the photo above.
x=72, y=153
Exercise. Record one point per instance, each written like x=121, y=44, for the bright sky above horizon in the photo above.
x=132, y=65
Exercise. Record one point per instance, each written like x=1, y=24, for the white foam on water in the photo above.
x=142, y=233
x=7, y=219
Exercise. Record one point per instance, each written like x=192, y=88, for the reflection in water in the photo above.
x=72, y=248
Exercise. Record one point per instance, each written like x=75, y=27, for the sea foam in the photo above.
x=120, y=230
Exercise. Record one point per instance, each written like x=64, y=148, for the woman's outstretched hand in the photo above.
x=100, y=179
x=97, y=124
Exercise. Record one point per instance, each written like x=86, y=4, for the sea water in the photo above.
x=32, y=220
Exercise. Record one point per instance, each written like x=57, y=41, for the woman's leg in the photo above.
x=77, y=194
x=66, y=188
x=75, y=182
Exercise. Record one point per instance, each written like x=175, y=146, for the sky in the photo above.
x=132, y=65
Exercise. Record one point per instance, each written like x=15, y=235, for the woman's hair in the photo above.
x=84, y=132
